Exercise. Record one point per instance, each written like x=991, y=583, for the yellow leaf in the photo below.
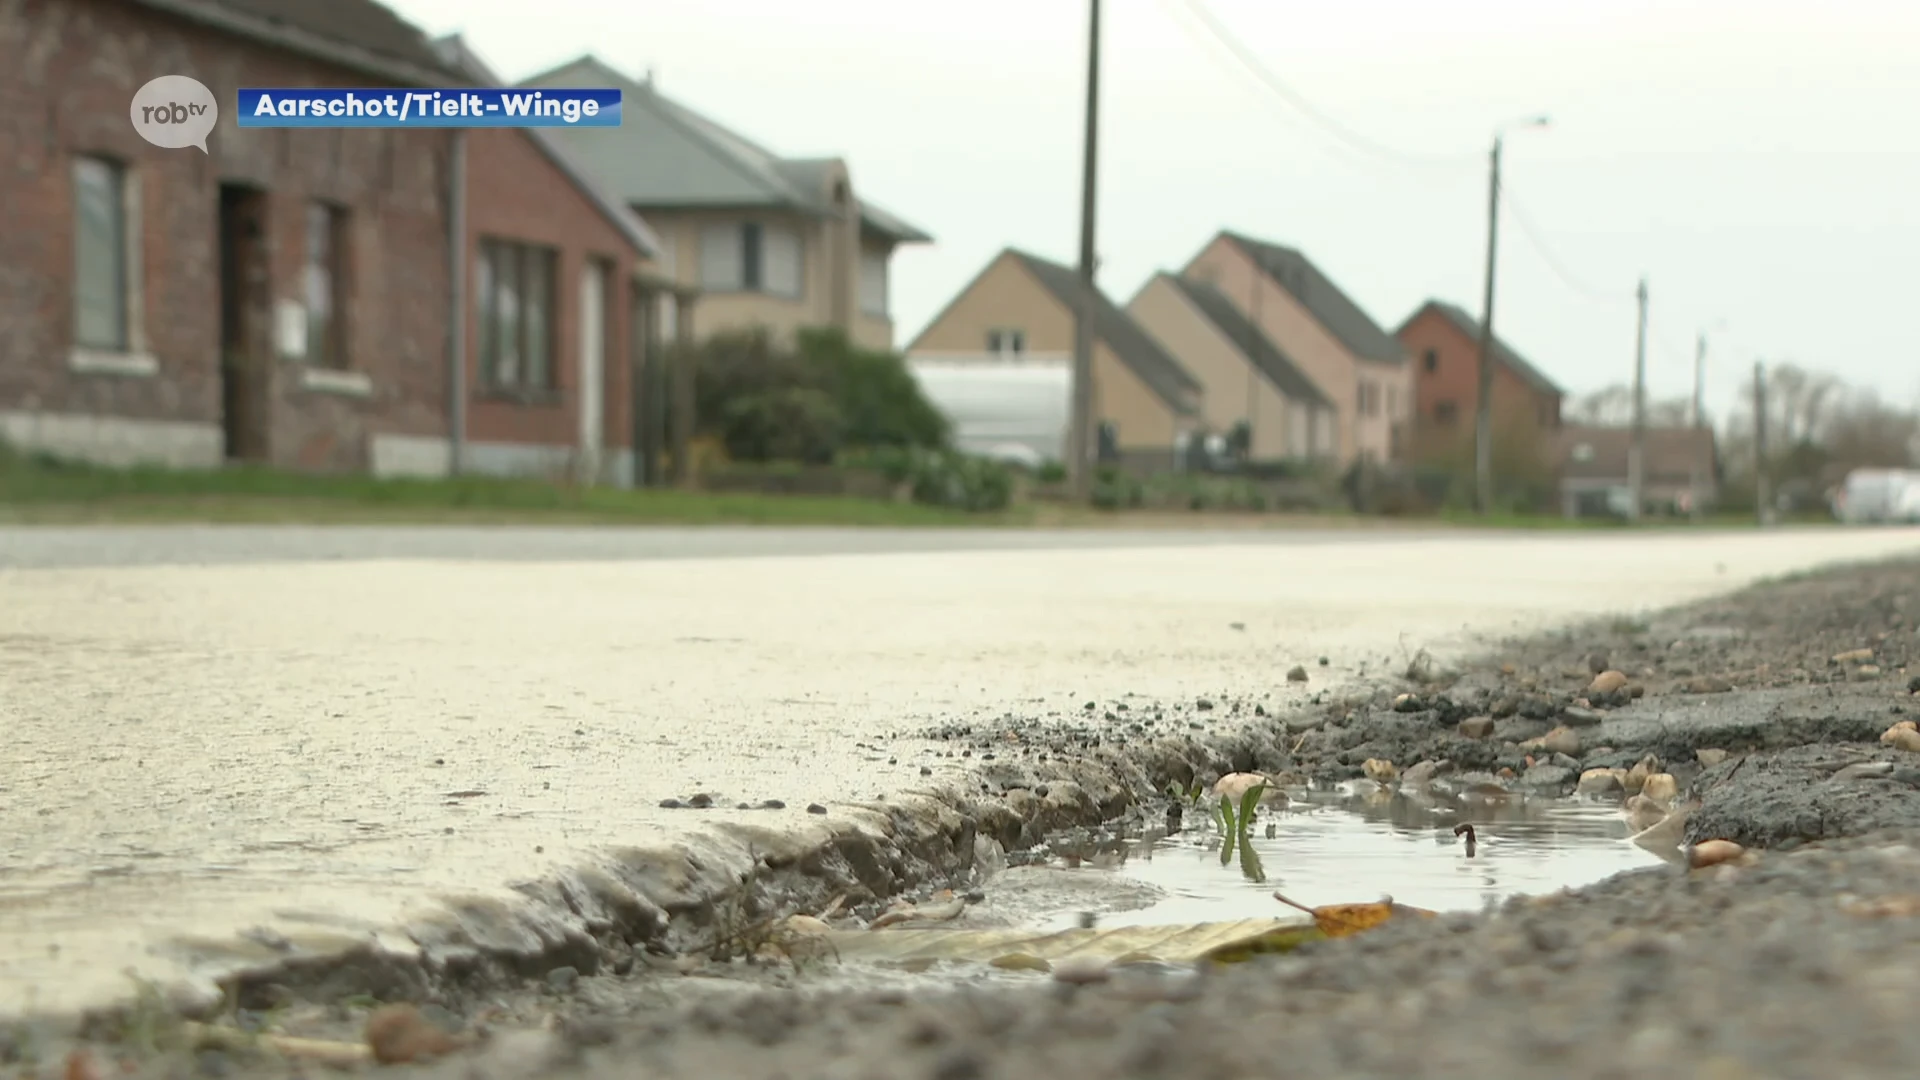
x=1341, y=920
x=1028, y=949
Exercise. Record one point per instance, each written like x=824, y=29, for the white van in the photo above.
x=1876, y=496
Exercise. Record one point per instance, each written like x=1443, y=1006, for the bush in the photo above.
x=794, y=423
x=1050, y=472
x=943, y=478
x=1115, y=490
x=748, y=388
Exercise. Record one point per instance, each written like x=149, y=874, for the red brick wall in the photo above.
x=71, y=70
x=516, y=193
x=1456, y=378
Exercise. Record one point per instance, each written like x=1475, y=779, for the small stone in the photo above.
x=1081, y=971
x=1324, y=661
x=563, y=979
x=1866, y=770
x=1379, y=770
x=816, y=808
x=1706, y=684
x=1902, y=736
x=1297, y=674
x=1576, y=716
x=1020, y=962
x=1203, y=705
x=1661, y=788
x=700, y=801
x=925, y=771
x=1547, y=777
x=1712, y=852
x=672, y=804
x=1476, y=727
x=398, y=1034
x=1866, y=673
x=1599, y=782
x=1710, y=757
x=1913, y=685
x=1598, y=662
x=1561, y=740
x=1607, y=681
x=1853, y=656
x=1408, y=703
x=1421, y=774
x=773, y=804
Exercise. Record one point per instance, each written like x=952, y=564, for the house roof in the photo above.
x=1259, y=349
x=1470, y=326
x=666, y=156
x=636, y=232
x=1323, y=299
x=360, y=35
x=1671, y=453
x=1136, y=348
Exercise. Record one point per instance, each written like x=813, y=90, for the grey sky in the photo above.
x=1756, y=159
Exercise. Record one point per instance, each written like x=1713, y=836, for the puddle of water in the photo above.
x=1333, y=850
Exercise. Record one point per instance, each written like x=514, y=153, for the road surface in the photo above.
x=209, y=730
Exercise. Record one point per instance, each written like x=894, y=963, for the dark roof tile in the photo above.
x=1129, y=341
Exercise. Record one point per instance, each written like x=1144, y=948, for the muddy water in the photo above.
x=1335, y=850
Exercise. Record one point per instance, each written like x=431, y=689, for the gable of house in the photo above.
x=1324, y=300
x=1503, y=354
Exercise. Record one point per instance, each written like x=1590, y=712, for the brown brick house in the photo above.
x=560, y=307
x=1444, y=342
x=314, y=264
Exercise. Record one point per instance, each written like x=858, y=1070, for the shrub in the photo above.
x=880, y=401
x=783, y=424
x=1115, y=490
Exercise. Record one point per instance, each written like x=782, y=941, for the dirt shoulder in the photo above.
x=1799, y=958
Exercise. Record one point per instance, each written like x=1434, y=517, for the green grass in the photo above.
x=39, y=491
x=1506, y=520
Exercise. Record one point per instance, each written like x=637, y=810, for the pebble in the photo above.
x=1607, y=681
x=1866, y=770
x=1421, y=774
x=1234, y=785
x=1710, y=757
x=1324, y=661
x=1379, y=770
x=1902, y=736
x=1853, y=656
x=1580, y=717
x=700, y=801
x=1476, y=727
x=1643, y=813
x=1707, y=684
x=1081, y=971
x=1600, y=781
x=1297, y=674
x=1547, y=776
x=1408, y=703
x=398, y=1034
x=1712, y=852
x=816, y=808
x=1661, y=788
x=1561, y=740
x=563, y=979
x=1866, y=673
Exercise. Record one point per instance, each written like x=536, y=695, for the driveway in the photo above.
x=210, y=730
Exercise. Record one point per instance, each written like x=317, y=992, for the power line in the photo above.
x=1529, y=230
x=1224, y=37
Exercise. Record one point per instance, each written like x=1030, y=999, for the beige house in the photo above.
x=1245, y=378
x=1349, y=358
x=1020, y=309
x=777, y=242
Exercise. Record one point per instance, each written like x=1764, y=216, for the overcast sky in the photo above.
x=1757, y=160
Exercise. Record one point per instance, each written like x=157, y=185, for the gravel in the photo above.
x=1800, y=958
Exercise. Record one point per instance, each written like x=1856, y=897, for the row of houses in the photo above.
x=415, y=302
x=401, y=302
x=1251, y=341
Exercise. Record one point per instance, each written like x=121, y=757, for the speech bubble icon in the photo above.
x=174, y=111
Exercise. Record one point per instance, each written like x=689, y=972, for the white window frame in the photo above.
x=129, y=356
x=1006, y=342
x=783, y=262
x=753, y=257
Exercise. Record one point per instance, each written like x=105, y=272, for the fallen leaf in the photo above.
x=1020, y=949
x=1341, y=920
x=398, y=1034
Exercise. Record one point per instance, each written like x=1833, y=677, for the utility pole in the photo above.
x=1694, y=494
x=1080, y=426
x=1762, y=486
x=1637, y=453
x=1483, y=409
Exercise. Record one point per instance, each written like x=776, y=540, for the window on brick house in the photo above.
x=1431, y=360
x=326, y=285
x=515, y=306
x=100, y=294
x=1446, y=414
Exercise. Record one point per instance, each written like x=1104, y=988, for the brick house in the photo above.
x=283, y=299
x=1354, y=363
x=562, y=305
x=1444, y=342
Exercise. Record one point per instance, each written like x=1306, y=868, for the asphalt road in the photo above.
x=213, y=729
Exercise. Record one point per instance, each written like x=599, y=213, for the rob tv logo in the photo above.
x=175, y=111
